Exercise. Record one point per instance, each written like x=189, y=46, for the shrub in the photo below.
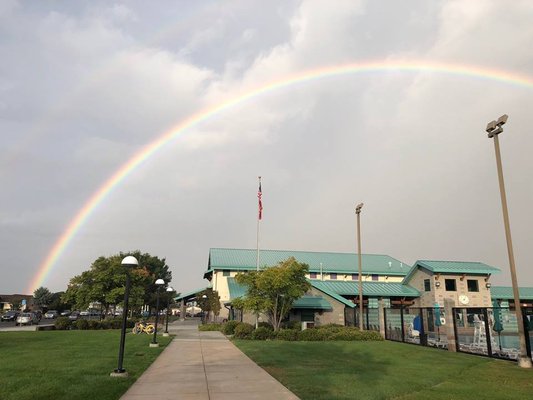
x=82, y=324
x=314, y=334
x=243, y=331
x=94, y=324
x=210, y=327
x=105, y=324
x=292, y=325
x=265, y=325
x=228, y=328
x=62, y=323
x=116, y=323
x=287, y=334
x=262, y=333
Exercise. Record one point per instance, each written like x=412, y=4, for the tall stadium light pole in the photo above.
x=494, y=128
x=358, y=213
x=160, y=282
x=128, y=262
x=169, y=290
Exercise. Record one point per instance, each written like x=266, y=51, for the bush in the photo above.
x=243, y=331
x=262, y=333
x=265, y=325
x=210, y=327
x=292, y=325
x=94, y=324
x=312, y=334
x=82, y=324
x=62, y=323
x=287, y=334
x=228, y=328
x=105, y=324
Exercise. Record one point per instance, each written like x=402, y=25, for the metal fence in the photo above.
x=421, y=326
x=491, y=332
x=370, y=318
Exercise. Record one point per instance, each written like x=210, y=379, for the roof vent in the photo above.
x=401, y=265
x=390, y=264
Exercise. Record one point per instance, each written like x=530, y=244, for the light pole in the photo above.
x=169, y=290
x=160, y=282
x=494, y=128
x=358, y=212
x=127, y=262
x=204, y=297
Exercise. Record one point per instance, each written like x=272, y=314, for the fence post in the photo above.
x=526, y=331
x=401, y=319
x=381, y=314
x=450, y=326
x=488, y=338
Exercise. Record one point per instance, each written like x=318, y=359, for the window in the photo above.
x=473, y=285
x=355, y=277
x=427, y=285
x=450, y=285
x=312, y=275
x=375, y=277
x=333, y=276
x=226, y=273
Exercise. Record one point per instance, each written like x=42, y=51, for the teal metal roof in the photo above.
x=506, y=292
x=370, y=289
x=245, y=260
x=453, y=267
x=306, y=301
x=190, y=295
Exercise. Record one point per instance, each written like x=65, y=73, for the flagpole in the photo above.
x=259, y=216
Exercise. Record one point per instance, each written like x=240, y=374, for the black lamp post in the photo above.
x=127, y=262
x=160, y=282
x=169, y=290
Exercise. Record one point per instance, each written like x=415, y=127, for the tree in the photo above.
x=209, y=303
x=273, y=290
x=42, y=297
x=105, y=281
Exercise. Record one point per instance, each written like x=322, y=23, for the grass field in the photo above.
x=70, y=364
x=386, y=370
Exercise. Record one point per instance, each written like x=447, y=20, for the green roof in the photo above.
x=190, y=295
x=453, y=267
x=506, y=292
x=245, y=260
x=370, y=289
x=306, y=301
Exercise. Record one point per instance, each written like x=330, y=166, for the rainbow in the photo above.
x=299, y=78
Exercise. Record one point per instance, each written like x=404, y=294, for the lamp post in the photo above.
x=358, y=212
x=160, y=282
x=169, y=290
x=204, y=296
x=494, y=128
x=127, y=262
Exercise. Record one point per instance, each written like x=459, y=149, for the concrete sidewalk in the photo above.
x=204, y=365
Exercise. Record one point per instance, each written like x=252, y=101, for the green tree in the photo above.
x=105, y=282
x=42, y=297
x=273, y=290
x=209, y=303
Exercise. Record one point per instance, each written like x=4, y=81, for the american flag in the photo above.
x=259, y=194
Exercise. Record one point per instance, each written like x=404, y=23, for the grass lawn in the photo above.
x=386, y=370
x=70, y=364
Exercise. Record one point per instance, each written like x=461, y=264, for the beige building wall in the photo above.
x=482, y=298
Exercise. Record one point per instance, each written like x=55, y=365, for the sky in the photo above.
x=87, y=86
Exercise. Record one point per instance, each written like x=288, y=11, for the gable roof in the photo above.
x=506, y=293
x=452, y=267
x=370, y=289
x=245, y=260
x=306, y=301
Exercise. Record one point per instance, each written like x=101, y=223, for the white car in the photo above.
x=85, y=313
x=51, y=314
x=27, y=319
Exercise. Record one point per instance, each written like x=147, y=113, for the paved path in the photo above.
x=204, y=366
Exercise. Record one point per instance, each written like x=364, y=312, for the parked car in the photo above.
x=85, y=313
x=10, y=316
x=65, y=313
x=51, y=314
x=27, y=318
x=74, y=316
x=38, y=314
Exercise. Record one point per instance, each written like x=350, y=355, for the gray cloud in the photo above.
x=88, y=86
